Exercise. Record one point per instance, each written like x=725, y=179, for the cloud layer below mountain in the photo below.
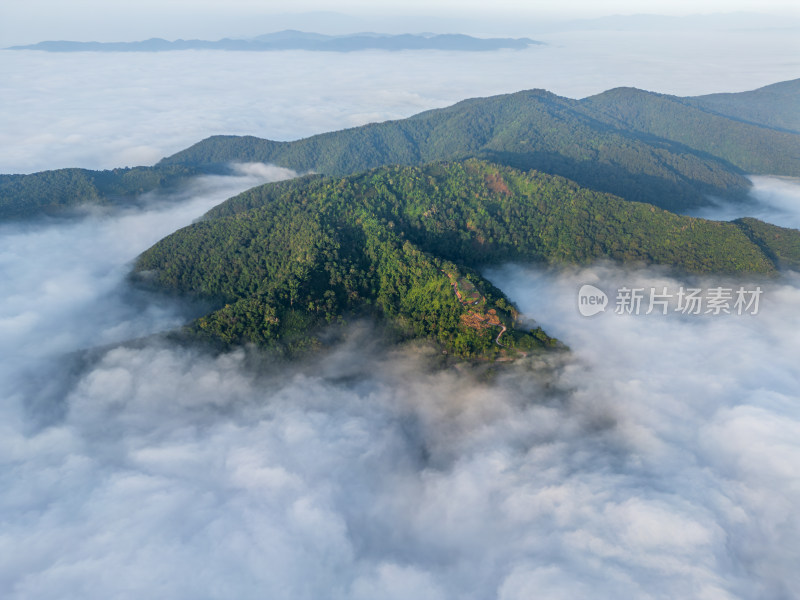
x=659, y=459
x=772, y=199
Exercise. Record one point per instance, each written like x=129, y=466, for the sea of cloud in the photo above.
x=660, y=458
x=65, y=280
x=99, y=110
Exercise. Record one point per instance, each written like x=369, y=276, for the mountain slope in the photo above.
x=638, y=145
x=398, y=242
x=780, y=244
x=529, y=130
x=58, y=191
x=750, y=147
x=776, y=105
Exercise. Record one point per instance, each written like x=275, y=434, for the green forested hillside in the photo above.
x=53, y=192
x=750, y=147
x=398, y=242
x=780, y=244
x=527, y=130
x=776, y=105
x=667, y=151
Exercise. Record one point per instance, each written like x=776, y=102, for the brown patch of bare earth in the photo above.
x=497, y=184
x=481, y=321
x=475, y=321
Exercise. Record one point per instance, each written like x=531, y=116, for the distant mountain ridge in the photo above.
x=642, y=146
x=299, y=40
x=776, y=105
x=754, y=145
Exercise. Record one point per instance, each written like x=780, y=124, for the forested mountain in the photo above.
x=640, y=146
x=776, y=105
x=780, y=244
x=55, y=192
x=528, y=130
x=399, y=242
x=750, y=147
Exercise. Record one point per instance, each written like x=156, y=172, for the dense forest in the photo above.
x=59, y=191
x=401, y=215
x=750, y=147
x=776, y=105
x=668, y=151
x=780, y=244
x=404, y=243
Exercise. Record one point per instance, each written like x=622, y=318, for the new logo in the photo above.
x=591, y=300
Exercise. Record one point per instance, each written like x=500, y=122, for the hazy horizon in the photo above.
x=107, y=110
x=243, y=18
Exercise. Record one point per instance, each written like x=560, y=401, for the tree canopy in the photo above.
x=405, y=243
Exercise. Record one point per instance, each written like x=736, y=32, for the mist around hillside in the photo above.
x=658, y=460
x=774, y=200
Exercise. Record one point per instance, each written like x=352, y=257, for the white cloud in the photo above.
x=772, y=199
x=658, y=460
